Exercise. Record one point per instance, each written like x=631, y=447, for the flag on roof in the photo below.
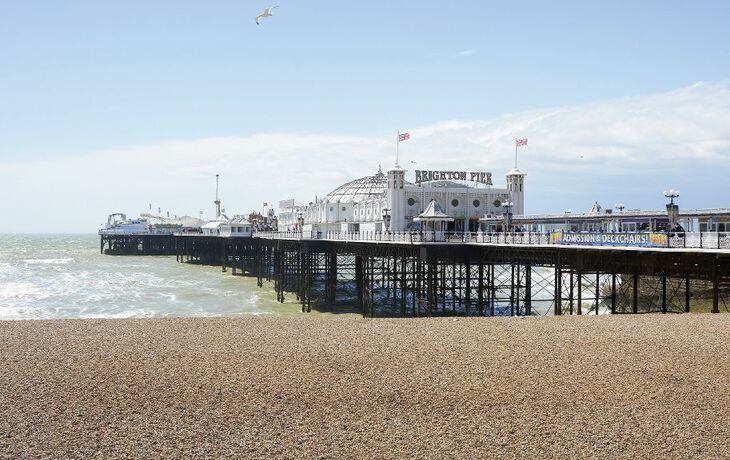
x=403, y=137
x=520, y=142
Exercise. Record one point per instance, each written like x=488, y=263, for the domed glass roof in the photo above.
x=360, y=189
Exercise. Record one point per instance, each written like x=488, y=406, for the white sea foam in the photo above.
x=59, y=261
x=170, y=297
x=253, y=300
x=18, y=290
x=133, y=313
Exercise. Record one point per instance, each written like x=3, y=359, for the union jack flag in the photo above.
x=403, y=137
x=519, y=142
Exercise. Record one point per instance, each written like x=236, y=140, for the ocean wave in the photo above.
x=60, y=261
x=64, y=277
x=20, y=290
x=21, y=313
x=253, y=300
x=133, y=313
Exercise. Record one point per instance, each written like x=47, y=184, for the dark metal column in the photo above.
x=580, y=291
x=558, y=294
x=480, y=291
x=360, y=282
x=613, y=293
x=570, y=292
x=512, y=291
x=491, y=290
x=635, y=305
x=598, y=290
x=715, y=287
x=528, y=290
x=467, y=301
x=224, y=254
x=403, y=286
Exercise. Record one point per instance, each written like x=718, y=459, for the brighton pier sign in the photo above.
x=428, y=176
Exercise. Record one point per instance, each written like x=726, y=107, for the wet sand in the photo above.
x=648, y=386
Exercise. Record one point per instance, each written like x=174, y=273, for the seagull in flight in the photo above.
x=266, y=14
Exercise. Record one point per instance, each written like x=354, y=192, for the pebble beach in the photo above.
x=649, y=386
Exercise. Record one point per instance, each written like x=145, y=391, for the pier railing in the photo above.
x=699, y=240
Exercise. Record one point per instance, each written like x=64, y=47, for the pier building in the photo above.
x=388, y=201
x=384, y=246
x=600, y=220
x=238, y=226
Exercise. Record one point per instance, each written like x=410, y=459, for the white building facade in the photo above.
x=389, y=202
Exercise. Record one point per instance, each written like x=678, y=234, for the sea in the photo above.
x=65, y=276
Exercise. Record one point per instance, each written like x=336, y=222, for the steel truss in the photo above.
x=391, y=279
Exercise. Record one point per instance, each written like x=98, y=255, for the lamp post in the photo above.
x=617, y=223
x=386, y=219
x=672, y=209
x=507, y=205
x=671, y=194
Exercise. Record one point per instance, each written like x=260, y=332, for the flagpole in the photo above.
x=397, y=147
x=515, y=153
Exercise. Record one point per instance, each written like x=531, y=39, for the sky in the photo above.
x=110, y=106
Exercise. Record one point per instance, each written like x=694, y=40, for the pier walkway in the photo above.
x=422, y=274
x=711, y=241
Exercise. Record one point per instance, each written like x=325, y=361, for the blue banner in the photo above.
x=647, y=240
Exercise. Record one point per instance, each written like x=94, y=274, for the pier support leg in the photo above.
x=580, y=292
x=224, y=255
x=419, y=286
x=613, y=293
x=715, y=289
x=512, y=291
x=430, y=287
x=403, y=286
x=570, y=293
x=598, y=291
x=360, y=283
x=558, y=307
x=491, y=289
x=635, y=300
x=528, y=290
x=480, y=289
x=331, y=279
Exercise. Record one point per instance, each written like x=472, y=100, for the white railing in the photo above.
x=413, y=237
x=704, y=240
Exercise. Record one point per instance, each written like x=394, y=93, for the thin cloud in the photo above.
x=632, y=144
x=467, y=52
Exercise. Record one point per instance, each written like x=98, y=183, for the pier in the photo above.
x=420, y=274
